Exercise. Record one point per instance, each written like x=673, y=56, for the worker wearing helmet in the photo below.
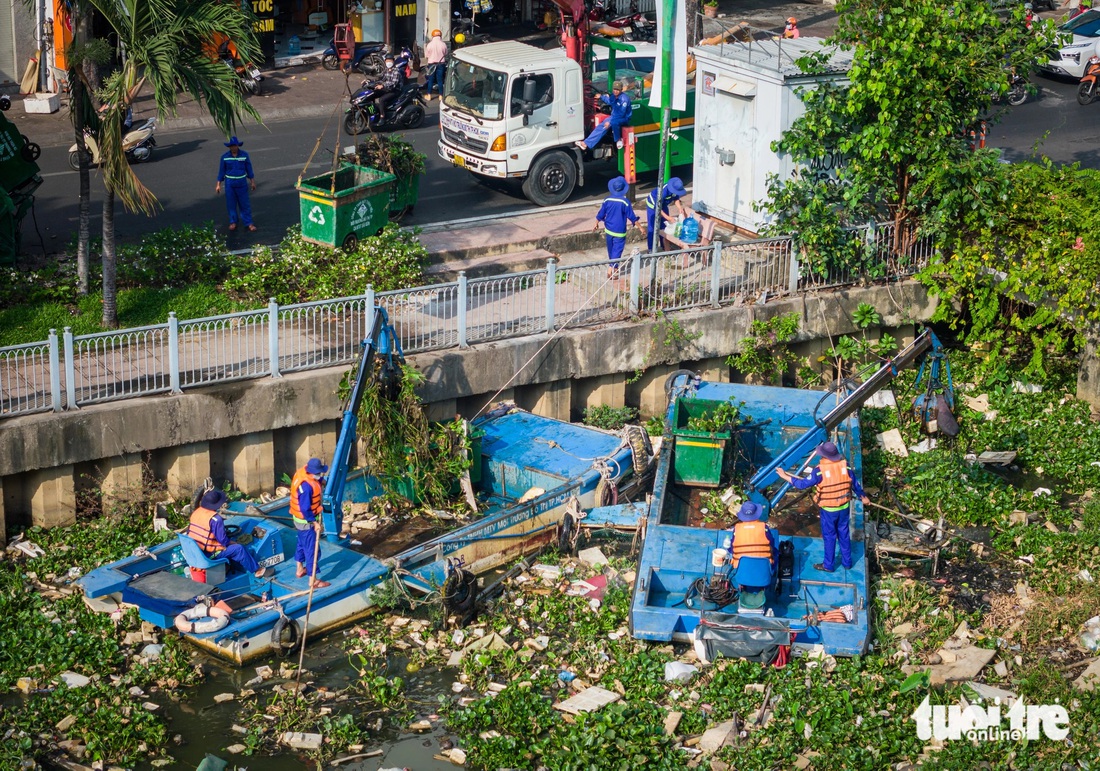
x=835, y=485
x=435, y=56
x=393, y=80
x=791, y=32
x=657, y=203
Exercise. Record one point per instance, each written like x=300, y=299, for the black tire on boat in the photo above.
x=641, y=449
x=566, y=542
x=672, y=379
x=460, y=592
x=605, y=492
x=285, y=636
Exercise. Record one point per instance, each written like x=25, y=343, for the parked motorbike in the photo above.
x=636, y=26
x=464, y=32
x=248, y=75
x=137, y=143
x=404, y=112
x=367, y=59
x=1087, y=91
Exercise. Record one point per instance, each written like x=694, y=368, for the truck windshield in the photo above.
x=475, y=90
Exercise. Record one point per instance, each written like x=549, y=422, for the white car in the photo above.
x=1082, y=40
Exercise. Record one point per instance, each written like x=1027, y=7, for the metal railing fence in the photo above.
x=67, y=371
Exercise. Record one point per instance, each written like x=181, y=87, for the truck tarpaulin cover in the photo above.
x=671, y=40
x=727, y=634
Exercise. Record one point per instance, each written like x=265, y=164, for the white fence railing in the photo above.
x=67, y=371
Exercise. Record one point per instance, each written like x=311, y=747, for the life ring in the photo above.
x=202, y=619
x=285, y=635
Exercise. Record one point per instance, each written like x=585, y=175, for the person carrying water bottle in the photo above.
x=616, y=214
x=657, y=203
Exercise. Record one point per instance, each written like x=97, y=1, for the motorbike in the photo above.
x=248, y=75
x=1087, y=91
x=137, y=143
x=367, y=59
x=464, y=32
x=404, y=112
x=636, y=26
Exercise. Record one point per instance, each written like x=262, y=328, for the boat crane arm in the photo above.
x=800, y=449
x=381, y=342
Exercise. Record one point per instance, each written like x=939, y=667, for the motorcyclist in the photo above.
x=391, y=84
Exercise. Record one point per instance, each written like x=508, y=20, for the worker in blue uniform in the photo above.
x=207, y=528
x=621, y=110
x=236, y=172
x=670, y=193
x=835, y=485
x=616, y=214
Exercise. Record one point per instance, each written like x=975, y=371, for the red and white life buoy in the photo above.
x=202, y=619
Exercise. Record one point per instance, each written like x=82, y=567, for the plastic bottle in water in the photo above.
x=689, y=231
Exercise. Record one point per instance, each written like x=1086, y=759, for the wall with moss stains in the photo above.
x=250, y=433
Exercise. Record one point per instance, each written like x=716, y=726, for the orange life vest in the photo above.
x=750, y=539
x=199, y=529
x=301, y=476
x=834, y=491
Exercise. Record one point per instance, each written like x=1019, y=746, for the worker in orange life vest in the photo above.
x=305, y=508
x=835, y=485
x=751, y=537
x=208, y=529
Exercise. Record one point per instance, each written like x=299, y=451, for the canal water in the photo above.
x=206, y=726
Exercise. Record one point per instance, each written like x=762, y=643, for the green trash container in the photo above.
x=403, y=196
x=340, y=207
x=699, y=457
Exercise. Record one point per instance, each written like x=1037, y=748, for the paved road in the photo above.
x=184, y=166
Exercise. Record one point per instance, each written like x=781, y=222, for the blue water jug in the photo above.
x=689, y=231
x=293, y=46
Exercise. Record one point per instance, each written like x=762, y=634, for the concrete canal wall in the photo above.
x=251, y=433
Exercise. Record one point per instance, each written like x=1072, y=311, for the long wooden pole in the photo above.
x=305, y=622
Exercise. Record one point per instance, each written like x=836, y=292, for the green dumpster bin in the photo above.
x=403, y=195
x=699, y=457
x=340, y=207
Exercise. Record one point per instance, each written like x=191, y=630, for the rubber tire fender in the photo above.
x=672, y=379
x=460, y=591
x=294, y=633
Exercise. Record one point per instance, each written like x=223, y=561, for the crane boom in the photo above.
x=925, y=344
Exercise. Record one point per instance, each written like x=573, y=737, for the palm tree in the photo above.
x=163, y=43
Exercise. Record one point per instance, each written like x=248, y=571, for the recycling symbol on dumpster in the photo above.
x=316, y=216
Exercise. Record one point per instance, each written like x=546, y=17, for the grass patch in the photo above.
x=136, y=308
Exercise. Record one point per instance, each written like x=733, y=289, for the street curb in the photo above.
x=565, y=242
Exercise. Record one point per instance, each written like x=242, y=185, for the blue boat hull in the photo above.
x=531, y=469
x=677, y=551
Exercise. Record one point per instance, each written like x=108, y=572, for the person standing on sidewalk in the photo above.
x=656, y=205
x=835, y=484
x=305, y=509
x=435, y=56
x=236, y=172
x=616, y=214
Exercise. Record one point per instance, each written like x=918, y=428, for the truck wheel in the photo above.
x=551, y=179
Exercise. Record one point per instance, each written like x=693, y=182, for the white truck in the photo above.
x=514, y=111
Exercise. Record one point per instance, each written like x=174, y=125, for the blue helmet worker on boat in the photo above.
x=305, y=508
x=835, y=484
x=753, y=538
x=657, y=203
x=207, y=528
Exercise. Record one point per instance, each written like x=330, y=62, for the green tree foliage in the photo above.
x=923, y=73
x=1019, y=280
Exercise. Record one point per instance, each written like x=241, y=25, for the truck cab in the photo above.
x=511, y=110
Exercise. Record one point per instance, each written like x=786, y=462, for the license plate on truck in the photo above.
x=458, y=160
